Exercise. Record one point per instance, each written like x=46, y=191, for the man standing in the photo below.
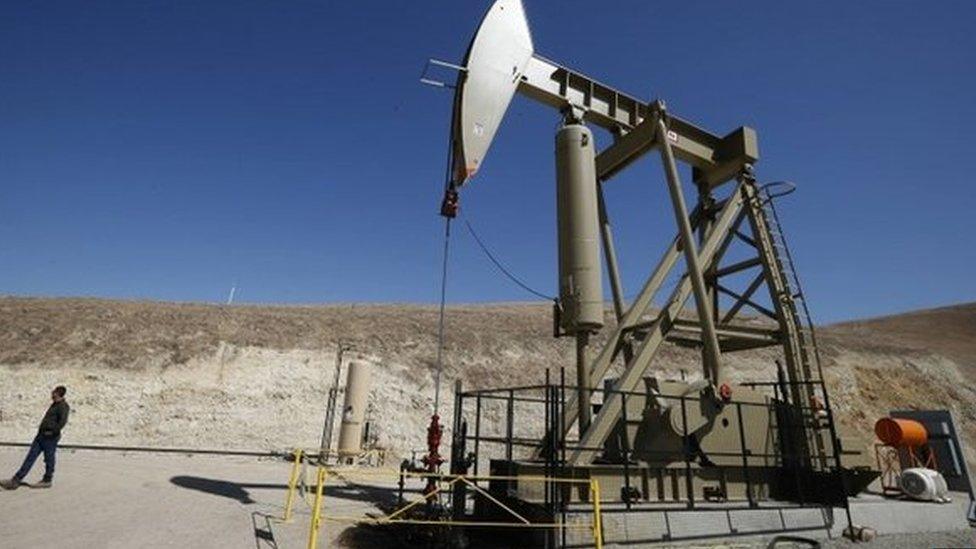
x=45, y=442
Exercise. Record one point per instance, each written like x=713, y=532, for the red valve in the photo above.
x=725, y=392
x=433, y=459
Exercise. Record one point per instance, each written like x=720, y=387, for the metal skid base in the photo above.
x=651, y=504
x=691, y=486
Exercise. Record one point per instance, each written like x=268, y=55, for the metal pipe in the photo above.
x=690, y=248
x=706, y=203
x=477, y=432
x=159, y=450
x=610, y=254
x=328, y=426
x=509, y=426
x=625, y=448
x=545, y=466
x=562, y=458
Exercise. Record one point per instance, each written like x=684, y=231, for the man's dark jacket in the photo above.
x=54, y=420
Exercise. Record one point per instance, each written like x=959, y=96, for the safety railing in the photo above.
x=298, y=470
x=508, y=435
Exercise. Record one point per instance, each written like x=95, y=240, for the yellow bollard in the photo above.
x=313, y=533
x=597, y=516
x=292, y=483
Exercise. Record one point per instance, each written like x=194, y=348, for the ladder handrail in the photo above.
x=780, y=235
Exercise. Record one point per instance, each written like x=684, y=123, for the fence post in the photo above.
x=625, y=449
x=292, y=483
x=509, y=424
x=313, y=533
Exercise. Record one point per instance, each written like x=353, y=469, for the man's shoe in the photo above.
x=11, y=484
x=42, y=484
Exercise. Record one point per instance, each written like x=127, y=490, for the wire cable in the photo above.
x=440, y=318
x=448, y=183
x=502, y=268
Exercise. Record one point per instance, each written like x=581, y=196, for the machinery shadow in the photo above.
x=379, y=495
x=225, y=488
x=239, y=491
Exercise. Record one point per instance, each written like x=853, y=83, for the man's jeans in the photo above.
x=47, y=445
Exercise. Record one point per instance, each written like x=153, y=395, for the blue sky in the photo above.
x=165, y=150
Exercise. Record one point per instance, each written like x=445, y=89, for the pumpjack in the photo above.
x=749, y=441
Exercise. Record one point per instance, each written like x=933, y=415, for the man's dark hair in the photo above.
x=60, y=390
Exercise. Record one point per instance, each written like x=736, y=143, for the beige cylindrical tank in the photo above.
x=354, y=409
x=580, y=275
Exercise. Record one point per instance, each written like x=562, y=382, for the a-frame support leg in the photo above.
x=603, y=423
x=690, y=249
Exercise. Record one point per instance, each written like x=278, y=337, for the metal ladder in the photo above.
x=807, y=338
x=800, y=311
x=808, y=350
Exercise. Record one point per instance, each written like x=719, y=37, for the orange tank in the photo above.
x=901, y=432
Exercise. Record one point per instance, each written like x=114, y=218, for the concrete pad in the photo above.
x=889, y=516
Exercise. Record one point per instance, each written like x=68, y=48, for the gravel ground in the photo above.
x=929, y=540
x=964, y=538
x=113, y=500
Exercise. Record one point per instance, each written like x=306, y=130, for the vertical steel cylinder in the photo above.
x=580, y=275
x=354, y=409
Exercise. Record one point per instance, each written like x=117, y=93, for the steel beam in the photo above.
x=706, y=201
x=610, y=254
x=771, y=314
x=769, y=336
x=745, y=297
x=616, y=339
x=724, y=330
x=728, y=344
x=738, y=267
x=715, y=158
x=690, y=249
x=583, y=379
x=609, y=412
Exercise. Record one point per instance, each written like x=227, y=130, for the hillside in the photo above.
x=947, y=331
x=183, y=374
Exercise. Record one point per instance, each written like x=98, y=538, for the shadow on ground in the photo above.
x=225, y=488
x=263, y=531
x=239, y=490
x=361, y=536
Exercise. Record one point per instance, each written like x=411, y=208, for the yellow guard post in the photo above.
x=292, y=483
x=313, y=533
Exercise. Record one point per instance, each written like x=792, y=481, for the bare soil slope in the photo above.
x=947, y=331
x=183, y=374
